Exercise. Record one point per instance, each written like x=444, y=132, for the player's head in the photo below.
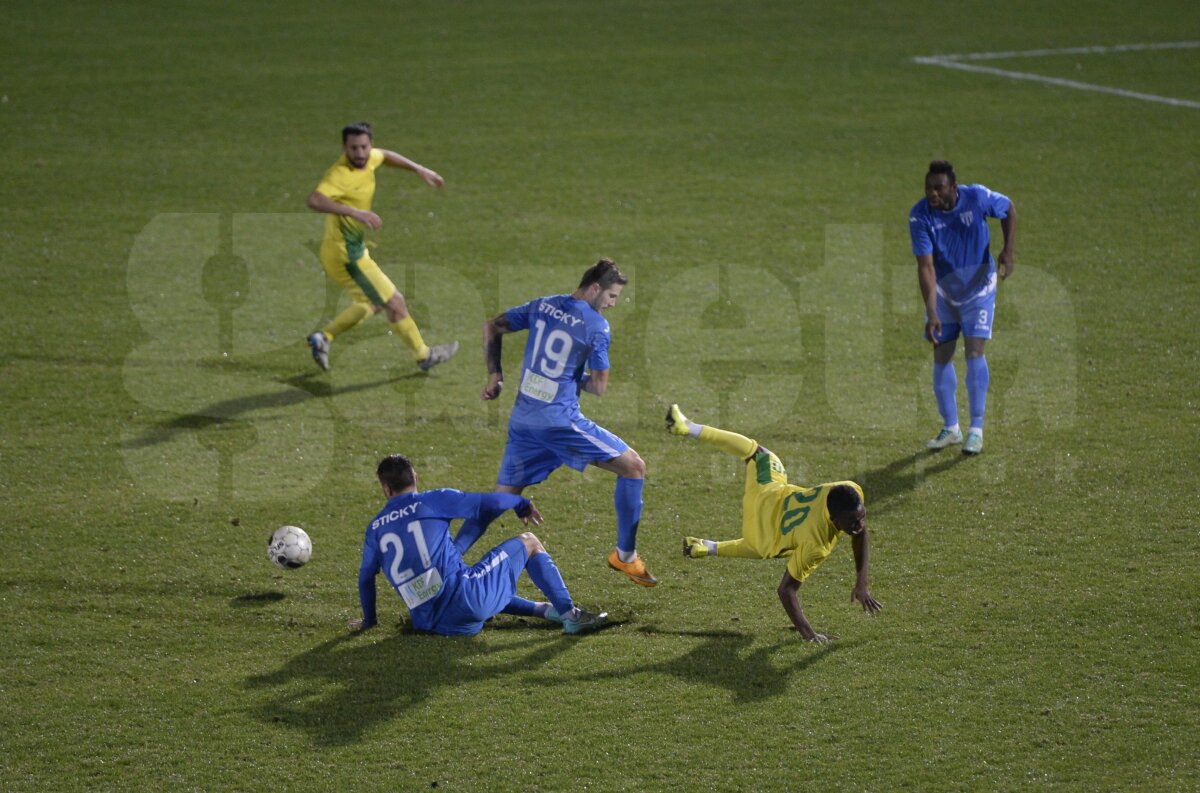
x=941, y=185
x=356, y=142
x=846, y=509
x=396, y=474
x=601, y=284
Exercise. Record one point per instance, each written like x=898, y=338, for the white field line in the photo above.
x=956, y=62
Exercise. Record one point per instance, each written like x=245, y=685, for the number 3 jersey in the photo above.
x=409, y=540
x=565, y=336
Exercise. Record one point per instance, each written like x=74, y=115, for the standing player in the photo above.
x=567, y=335
x=410, y=541
x=801, y=524
x=344, y=195
x=957, y=276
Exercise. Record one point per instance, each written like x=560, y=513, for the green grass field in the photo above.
x=751, y=165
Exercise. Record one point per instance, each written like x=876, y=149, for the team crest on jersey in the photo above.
x=967, y=218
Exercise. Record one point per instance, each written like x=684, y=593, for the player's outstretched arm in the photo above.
x=366, y=597
x=428, y=175
x=1007, y=261
x=789, y=596
x=862, y=589
x=493, y=347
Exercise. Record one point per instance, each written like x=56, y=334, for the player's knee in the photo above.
x=532, y=543
x=635, y=466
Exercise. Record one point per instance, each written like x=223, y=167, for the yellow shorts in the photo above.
x=765, y=475
x=362, y=280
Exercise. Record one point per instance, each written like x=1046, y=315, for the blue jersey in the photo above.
x=410, y=541
x=565, y=335
x=958, y=240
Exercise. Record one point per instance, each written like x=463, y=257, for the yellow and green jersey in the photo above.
x=790, y=520
x=353, y=187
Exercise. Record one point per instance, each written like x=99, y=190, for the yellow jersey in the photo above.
x=793, y=521
x=354, y=187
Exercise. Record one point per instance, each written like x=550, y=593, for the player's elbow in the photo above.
x=314, y=201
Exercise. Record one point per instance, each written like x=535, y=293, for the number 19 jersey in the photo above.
x=565, y=336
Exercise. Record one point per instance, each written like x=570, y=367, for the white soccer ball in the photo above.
x=289, y=547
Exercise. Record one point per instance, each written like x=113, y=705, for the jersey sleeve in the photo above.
x=375, y=159
x=366, y=579
x=598, y=358
x=995, y=205
x=518, y=316
x=331, y=186
x=918, y=229
x=451, y=504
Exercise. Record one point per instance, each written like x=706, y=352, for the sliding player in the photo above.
x=801, y=524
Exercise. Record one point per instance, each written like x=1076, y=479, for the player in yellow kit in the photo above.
x=344, y=195
x=801, y=524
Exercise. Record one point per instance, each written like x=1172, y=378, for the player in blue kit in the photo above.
x=410, y=541
x=566, y=353
x=957, y=276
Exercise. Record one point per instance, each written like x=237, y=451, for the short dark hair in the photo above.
x=604, y=272
x=942, y=167
x=357, y=128
x=396, y=472
x=842, y=499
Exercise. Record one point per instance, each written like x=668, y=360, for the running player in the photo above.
x=957, y=276
x=566, y=353
x=409, y=540
x=344, y=195
x=801, y=524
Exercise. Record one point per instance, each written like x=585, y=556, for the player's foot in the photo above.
x=974, y=442
x=677, y=423
x=694, y=548
x=438, y=353
x=584, y=622
x=944, y=438
x=319, y=344
x=636, y=570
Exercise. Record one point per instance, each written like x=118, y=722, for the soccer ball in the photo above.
x=289, y=547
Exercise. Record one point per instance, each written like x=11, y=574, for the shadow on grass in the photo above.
x=303, y=387
x=342, y=688
x=256, y=599
x=724, y=659
x=884, y=486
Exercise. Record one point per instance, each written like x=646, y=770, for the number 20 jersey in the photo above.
x=565, y=336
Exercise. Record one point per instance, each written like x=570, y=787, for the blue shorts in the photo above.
x=484, y=590
x=533, y=453
x=972, y=318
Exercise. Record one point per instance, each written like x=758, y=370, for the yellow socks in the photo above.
x=729, y=442
x=408, y=332
x=354, y=314
x=739, y=548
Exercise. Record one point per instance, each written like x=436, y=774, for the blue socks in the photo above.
x=545, y=576
x=628, y=501
x=977, y=388
x=473, y=528
x=945, y=381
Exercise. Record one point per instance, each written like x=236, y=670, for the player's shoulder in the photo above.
x=375, y=159
x=919, y=211
x=439, y=496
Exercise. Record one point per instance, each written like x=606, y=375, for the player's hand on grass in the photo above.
x=863, y=596
x=368, y=219
x=492, y=389
x=821, y=638
x=431, y=177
